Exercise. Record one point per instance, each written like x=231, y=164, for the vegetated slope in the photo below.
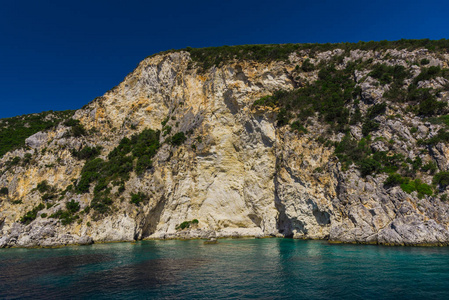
x=345, y=142
x=14, y=131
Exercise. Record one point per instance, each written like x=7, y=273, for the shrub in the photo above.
x=186, y=224
x=13, y=162
x=394, y=179
x=71, y=122
x=138, y=198
x=266, y=101
x=388, y=74
x=26, y=159
x=31, y=215
x=166, y=130
x=178, y=138
x=369, y=126
x=76, y=128
x=424, y=61
x=430, y=167
x=429, y=73
x=298, y=126
x=441, y=136
x=4, y=191
x=72, y=206
x=183, y=225
x=369, y=166
x=65, y=216
x=164, y=122
x=205, y=58
x=417, y=185
x=143, y=163
x=87, y=152
x=307, y=66
x=48, y=196
x=43, y=186
x=101, y=202
x=441, y=178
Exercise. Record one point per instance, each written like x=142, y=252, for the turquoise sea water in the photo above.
x=231, y=269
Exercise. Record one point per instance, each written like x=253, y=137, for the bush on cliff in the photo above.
x=31, y=215
x=4, y=191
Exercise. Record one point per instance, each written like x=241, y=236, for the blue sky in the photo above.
x=57, y=55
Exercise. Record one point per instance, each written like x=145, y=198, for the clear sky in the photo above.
x=57, y=55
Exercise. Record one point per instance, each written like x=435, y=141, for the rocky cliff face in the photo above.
x=232, y=160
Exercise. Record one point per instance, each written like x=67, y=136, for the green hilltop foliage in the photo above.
x=14, y=131
x=215, y=56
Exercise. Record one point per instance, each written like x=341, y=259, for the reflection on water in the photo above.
x=240, y=268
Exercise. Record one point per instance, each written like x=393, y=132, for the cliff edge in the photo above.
x=347, y=143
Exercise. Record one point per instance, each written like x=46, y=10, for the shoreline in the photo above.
x=330, y=242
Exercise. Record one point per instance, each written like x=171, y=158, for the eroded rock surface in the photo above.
x=237, y=172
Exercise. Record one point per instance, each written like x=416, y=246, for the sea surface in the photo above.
x=232, y=269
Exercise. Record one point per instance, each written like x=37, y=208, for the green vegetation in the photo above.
x=132, y=154
x=428, y=104
x=87, y=152
x=307, y=66
x=442, y=136
x=43, y=187
x=390, y=74
x=31, y=215
x=327, y=96
x=138, y=198
x=4, y=191
x=216, y=56
x=48, y=192
x=164, y=122
x=369, y=162
x=430, y=73
x=68, y=215
x=166, y=130
x=424, y=61
x=178, y=139
x=418, y=186
x=298, y=126
x=408, y=185
x=73, y=206
x=14, y=131
x=440, y=120
x=441, y=178
x=76, y=128
x=187, y=224
x=369, y=124
x=430, y=167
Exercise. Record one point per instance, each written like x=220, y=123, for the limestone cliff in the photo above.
x=235, y=156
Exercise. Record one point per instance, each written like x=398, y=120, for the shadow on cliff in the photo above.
x=286, y=225
x=150, y=221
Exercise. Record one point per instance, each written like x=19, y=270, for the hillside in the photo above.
x=344, y=142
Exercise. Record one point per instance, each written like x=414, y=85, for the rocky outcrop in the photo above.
x=238, y=172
